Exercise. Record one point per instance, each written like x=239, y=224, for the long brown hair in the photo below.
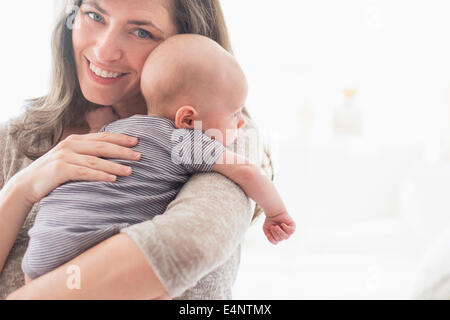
x=65, y=106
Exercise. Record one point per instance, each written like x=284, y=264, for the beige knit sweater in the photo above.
x=194, y=247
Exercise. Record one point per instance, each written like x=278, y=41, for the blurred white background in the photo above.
x=366, y=177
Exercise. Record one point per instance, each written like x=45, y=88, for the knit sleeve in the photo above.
x=3, y=143
x=199, y=231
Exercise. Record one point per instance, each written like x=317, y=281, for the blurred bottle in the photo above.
x=347, y=117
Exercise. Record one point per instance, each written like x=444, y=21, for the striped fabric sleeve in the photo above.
x=194, y=150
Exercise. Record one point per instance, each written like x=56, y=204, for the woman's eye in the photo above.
x=143, y=34
x=94, y=16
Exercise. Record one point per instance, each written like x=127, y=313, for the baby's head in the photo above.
x=190, y=78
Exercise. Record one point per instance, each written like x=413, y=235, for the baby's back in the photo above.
x=78, y=215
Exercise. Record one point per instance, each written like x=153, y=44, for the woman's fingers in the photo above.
x=103, y=149
x=78, y=157
x=111, y=137
x=87, y=174
x=115, y=138
x=99, y=164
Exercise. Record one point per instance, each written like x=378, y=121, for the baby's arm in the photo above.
x=278, y=225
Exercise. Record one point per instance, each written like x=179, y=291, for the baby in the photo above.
x=187, y=80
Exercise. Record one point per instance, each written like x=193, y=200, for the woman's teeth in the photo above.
x=103, y=73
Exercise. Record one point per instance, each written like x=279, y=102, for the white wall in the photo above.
x=367, y=206
x=25, y=31
x=394, y=52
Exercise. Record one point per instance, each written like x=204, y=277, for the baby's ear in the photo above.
x=185, y=117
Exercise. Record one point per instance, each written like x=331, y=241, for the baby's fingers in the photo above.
x=270, y=237
x=288, y=229
x=278, y=234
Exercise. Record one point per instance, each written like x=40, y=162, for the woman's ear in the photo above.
x=185, y=117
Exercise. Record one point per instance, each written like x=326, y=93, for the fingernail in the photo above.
x=133, y=140
x=137, y=155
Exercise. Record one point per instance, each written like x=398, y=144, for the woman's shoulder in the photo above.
x=4, y=130
x=5, y=144
x=7, y=137
x=7, y=132
x=12, y=161
x=11, y=158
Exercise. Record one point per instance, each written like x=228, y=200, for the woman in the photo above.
x=191, y=251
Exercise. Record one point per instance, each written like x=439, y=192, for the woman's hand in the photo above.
x=77, y=158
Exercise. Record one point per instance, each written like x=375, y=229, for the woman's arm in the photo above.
x=199, y=231
x=168, y=254
x=106, y=271
x=13, y=212
x=75, y=158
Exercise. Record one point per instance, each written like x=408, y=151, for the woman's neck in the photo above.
x=69, y=131
x=130, y=107
x=126, y=109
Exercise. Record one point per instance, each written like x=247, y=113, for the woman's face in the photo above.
x=111, y=41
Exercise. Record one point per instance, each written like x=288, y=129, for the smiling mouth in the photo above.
x=102, y=73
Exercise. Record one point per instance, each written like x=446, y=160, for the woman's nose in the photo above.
x=108, y=47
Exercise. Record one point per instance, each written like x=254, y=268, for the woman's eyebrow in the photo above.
x=95, y=4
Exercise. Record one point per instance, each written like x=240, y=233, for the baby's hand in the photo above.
x=279, y=227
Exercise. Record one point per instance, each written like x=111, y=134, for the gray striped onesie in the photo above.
x=78, y=215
